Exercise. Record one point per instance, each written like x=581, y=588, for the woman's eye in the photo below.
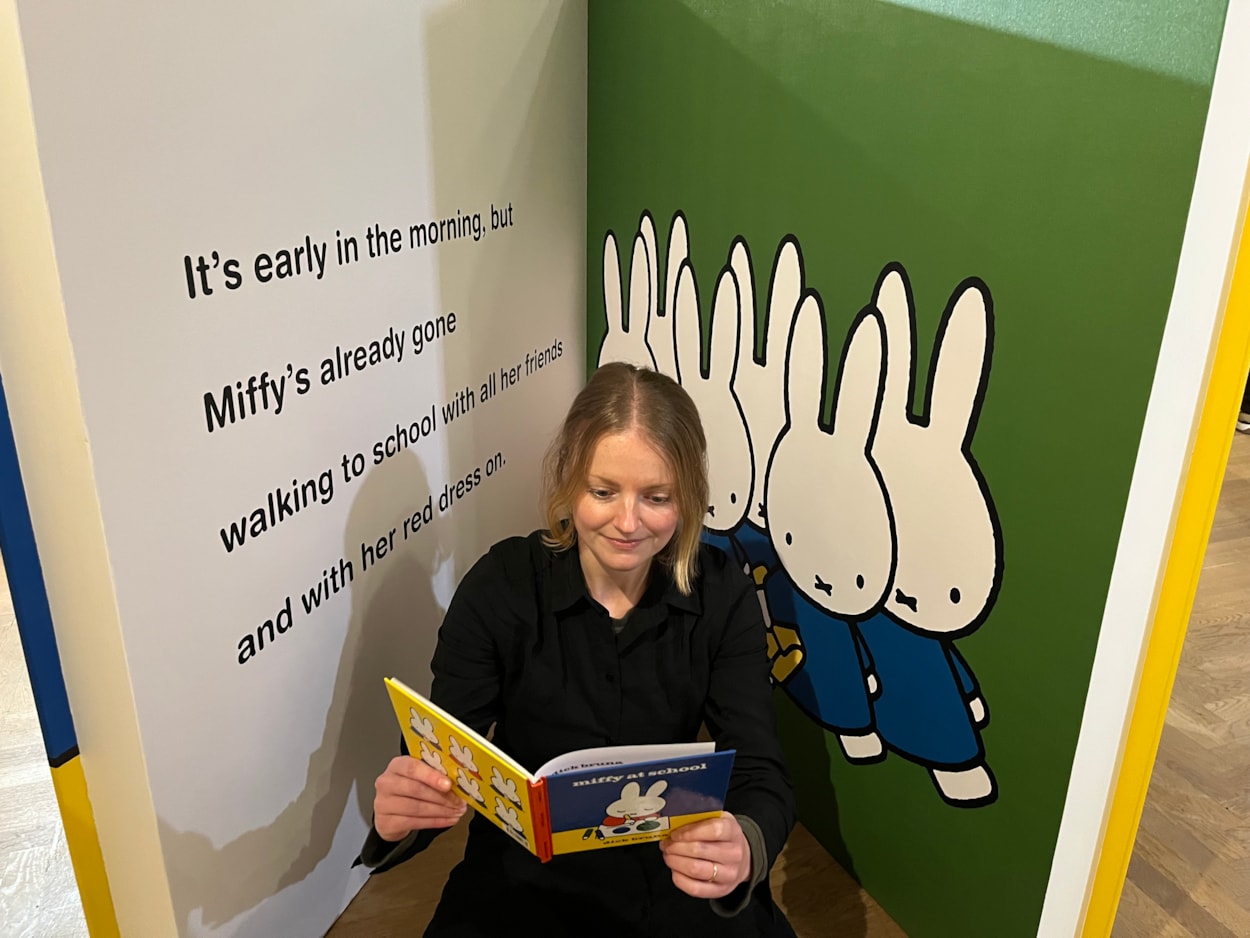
x=660, y=499
x=600, y=493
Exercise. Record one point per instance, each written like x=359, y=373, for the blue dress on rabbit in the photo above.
x=830, y=685
x=921, y=710
x=748, y=545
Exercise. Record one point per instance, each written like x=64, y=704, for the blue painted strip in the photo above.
x=30, y=601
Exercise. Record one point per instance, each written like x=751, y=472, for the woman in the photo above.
x=613, y=626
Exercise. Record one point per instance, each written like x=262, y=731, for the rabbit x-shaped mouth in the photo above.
x=904, y=600
x=826, y=588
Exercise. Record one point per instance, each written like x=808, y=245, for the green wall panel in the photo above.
x=1056, y=164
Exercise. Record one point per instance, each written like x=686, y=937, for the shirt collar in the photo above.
x=568, y=585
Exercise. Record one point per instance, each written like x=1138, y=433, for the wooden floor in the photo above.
x=1190, y=871
x=819, y=898
x=1189, y=876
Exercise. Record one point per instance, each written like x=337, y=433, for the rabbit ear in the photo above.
x=961, y=356
x=805, y=363
x=646, y=229
x=892, y=297
x=725, y=326
x=860, y=377
x=612, y=306
x=639, y=287
x=740, y=264
x=784, y=291
x=678, y=251
x=687, y=336
x=630, y=791
x=657, y=789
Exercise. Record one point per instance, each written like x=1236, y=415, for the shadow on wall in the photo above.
x=517, y=168
x=485, y=152
x=391, y=629
x=807, y=748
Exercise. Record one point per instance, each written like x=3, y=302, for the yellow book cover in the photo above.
x=584, y=800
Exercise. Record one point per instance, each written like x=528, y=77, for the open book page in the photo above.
x=620, y=755
x=484, y=776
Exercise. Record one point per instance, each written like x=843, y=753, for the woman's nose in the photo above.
x=627, y=517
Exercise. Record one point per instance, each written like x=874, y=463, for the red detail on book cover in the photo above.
x=542, y=819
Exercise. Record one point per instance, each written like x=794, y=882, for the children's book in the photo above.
x=583, y=800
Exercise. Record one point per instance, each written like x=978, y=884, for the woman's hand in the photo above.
x=708, y=859
x=411, y=795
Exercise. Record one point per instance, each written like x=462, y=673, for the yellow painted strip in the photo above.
x=84, y=849
x=1201, y=488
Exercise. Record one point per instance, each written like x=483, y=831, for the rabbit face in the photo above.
x=634, y=803
x=730, y=468
x=947, y=539
x=835, y=544
x=828, y=517
x=729, y=473
x=949, y=543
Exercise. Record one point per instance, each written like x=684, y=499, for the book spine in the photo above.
x=542, y=819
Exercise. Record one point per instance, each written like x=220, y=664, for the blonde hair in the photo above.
x=620, y=397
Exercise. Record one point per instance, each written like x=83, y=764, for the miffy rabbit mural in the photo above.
x=739, y=394
x=872, y=537
x=659, y=325
x=672, y=344
x=730, y=465
x=625, y=339
x=829, y=520
x=759, y=385
x=640, y=331
x=929, y=707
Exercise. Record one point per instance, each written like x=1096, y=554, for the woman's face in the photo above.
x=628, y=512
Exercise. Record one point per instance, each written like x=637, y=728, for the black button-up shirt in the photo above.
x=525, y=648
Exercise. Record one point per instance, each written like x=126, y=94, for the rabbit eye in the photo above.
x=789, y=538
x=859, y=581
x=733, y=498
x=954, y=594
